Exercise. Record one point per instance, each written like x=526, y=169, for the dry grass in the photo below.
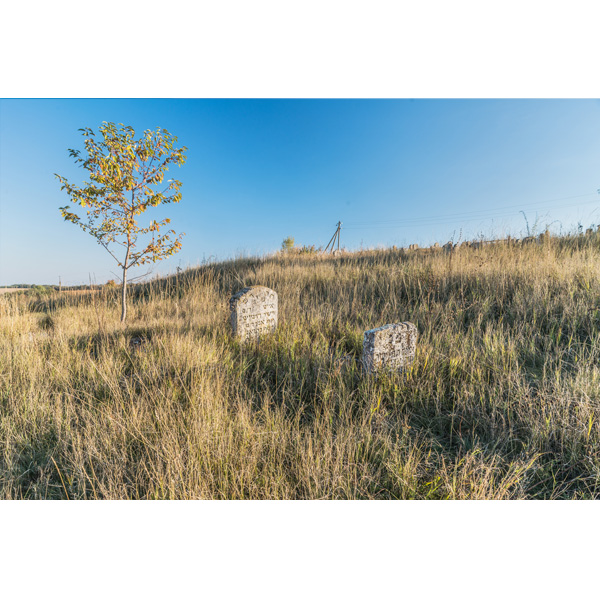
x=502, y=400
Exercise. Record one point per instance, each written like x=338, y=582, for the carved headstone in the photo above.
x=389, y=347
x=253, y=312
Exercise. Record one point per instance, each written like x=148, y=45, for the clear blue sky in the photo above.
x=393, y=171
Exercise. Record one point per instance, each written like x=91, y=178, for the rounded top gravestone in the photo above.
x=253, y=312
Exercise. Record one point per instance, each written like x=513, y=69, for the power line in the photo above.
x=482, y=211
x=466, y=216
x=448, y=221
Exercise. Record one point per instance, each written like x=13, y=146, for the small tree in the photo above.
x=287, y=244
x=124, y=177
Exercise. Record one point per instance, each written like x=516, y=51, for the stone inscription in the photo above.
x=389, y=347
x=253, y=312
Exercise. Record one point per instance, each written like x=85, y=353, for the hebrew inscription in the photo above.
x=253, y=312
x=389, y=347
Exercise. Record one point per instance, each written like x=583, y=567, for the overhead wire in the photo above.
x=469, y=216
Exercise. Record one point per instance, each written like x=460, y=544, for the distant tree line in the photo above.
x=36, y=288
x=32, y=286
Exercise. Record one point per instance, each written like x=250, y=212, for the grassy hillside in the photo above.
x=503, y=400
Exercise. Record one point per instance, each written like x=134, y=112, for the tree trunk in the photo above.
x=125, y=267
x=124, y=297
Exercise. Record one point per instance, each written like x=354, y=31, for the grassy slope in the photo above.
x=502, y=400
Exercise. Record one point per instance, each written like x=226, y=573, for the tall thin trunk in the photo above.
x=124, y=297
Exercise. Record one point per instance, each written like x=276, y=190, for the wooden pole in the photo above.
x=332, y=240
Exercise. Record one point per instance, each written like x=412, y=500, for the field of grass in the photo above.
x=502, y=401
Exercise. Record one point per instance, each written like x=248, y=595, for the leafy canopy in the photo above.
x=287, y=244
x=125, y=180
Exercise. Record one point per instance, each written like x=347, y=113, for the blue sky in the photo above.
x=393, y=171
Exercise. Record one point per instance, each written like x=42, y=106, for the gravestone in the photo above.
x=389, y=347
x=253, y=312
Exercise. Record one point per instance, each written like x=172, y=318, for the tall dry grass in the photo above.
x=502, y=400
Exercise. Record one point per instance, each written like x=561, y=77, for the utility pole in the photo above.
x=59, y=284
x=332, y=240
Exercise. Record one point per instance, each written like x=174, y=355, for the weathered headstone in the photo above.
x=253, y=312
x=389, y=347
